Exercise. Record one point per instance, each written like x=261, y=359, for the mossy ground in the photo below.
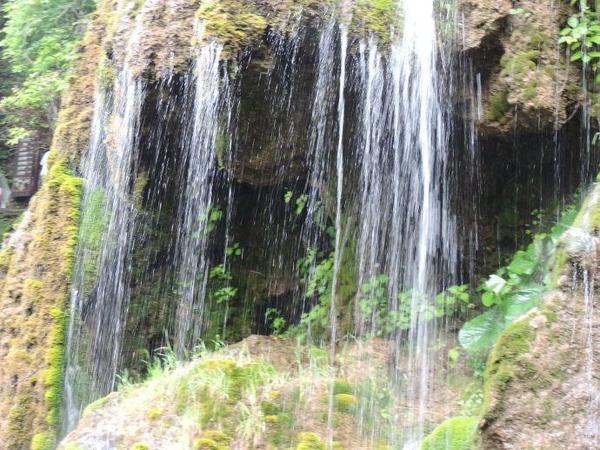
x=265, y=392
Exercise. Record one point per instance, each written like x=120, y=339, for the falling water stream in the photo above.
x=95, y=332
x=195, y=215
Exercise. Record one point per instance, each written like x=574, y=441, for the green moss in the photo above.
x=519, y=65
x=272, y=419
x=218, y=436
x=100, y=403
x=42, y=441
x=560, y=260
x=140, y=446
x=105, y=75
x=269, y=408
x=457, y=433
x=154, y=413
x=72, y=446
x=93, y=224
x=498, y=107
x=18, y=421
x=345, y=402
x=68, y=190
x=212, y=440
x=550, y=310
x=205, y=444
x=342, y=387
x=375, y=16
x=310, y=441
x=502, y=364
x=234, y=22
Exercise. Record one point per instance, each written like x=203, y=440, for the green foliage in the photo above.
x=457, y=433
x=211, y=219
x=375, y=305
x=582, y=35
x=234, y=250
x=514, y=289
x=320, y=277
x=276, y=320
x=220, y=283
x=40, y=38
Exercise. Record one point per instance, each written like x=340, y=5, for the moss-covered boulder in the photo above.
x=528, y=86
x=458, y=433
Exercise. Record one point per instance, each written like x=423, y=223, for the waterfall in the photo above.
x=377, y=136
x=407, y=230
x=341, y=117
x=193, y=227
x=98, y=313
x=424, y=132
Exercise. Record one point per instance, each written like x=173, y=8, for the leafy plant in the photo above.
x=375, y=305
x=221, y=289
x=514, y=289
x=318, y=289
x=40, y=39
x=234, y=250
x=225, y=294
x=301, y=204
x=582, y=35
x=276, y=320
x=287, y=197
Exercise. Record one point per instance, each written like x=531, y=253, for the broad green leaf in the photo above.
x=478, y=335
x=488, y=299
x=573, y=21
x=519, y=302
x=521, y=264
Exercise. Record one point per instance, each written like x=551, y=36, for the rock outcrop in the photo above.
x=541, y=390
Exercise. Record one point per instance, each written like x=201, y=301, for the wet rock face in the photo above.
x=527, y=84
x=541, y=389
x=482, y=20
x=541, y=398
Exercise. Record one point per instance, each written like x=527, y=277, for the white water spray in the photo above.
x=195, y=208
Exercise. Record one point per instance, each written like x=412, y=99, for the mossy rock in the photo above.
x=502, y=364
x=457, y=433
x=100, y=403
x=310, y=441
x=140, y=446
x=205, y=443
x=155, y=413
x=345, y=403
x=233, y=22
x=377, y=17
